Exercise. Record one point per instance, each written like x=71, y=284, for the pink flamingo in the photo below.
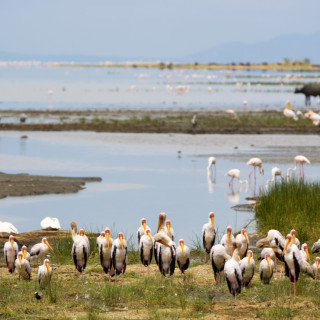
x=301, y=160
x=234, y=173
x=255, y=162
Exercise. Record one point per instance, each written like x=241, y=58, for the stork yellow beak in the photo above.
x=144, y=226
x=307, y=252
x=181, y=245
x=47, y=265
x=288, y=105
x=121, y=240
x=249, y=257
x=275, y=259
x=25, y=254
x=285, y=247
x=168, y=228
x=108, y=236
x=159, y=224
x=47, y=243
x=268, y=260
x=212, y=222
x=317, y=266
x=229, y=235
x=268, y=246
x=239, y=258
x=246, y=236
x=294, y=238
x=20, y=259
x=164, y=243
x=149, y=235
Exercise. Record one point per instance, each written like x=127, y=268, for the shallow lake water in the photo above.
x=74, y=88
x=143, y=174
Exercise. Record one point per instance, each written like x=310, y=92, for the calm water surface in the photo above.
x=142, y=176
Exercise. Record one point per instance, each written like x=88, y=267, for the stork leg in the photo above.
x=290, y=282
x=122, y=276
x=294, y=285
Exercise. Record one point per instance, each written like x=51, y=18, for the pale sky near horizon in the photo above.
x=147, y=27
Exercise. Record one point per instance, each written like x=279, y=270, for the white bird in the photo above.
x=218, y=257
x=276, y=241
x=10, y=251
x=211, y=163
x=23, y=267
x=306, y=261
x=119, y=255
x=276, y=172
x=194, y=121
x=142, y=229
x=245, y=103
x=166, y=253
x=227, y=241
x=266, y=268
x=247, y=267
x=316, y=246
x=316, y=267
x=170, y=231
x=298, y=160
x=44, y=274
x=232, y=115
x=289, y=113
x=208, y=233
x=183, y=256
x=80, y=251
x=235, y=173
x=233, y=273
x=99, y=240
x=243, y=240
x=50, y=224
x=105, y=257
x=293, y=262
x=7, y=227
x=255, y=162
x=26, y=254
x=39, y=250
x=146, y=248
x=160, y=229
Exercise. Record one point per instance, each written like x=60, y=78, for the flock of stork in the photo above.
x=231, y=259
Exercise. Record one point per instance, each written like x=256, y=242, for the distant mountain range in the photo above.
x=292, y=46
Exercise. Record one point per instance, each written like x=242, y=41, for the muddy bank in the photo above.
x=18, y=185
x=157, y=121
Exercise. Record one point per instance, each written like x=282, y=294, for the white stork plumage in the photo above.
x=142, y=229
x=160, y=229
x=166, y=253
x=208, y=234
x=289, y=113
x=247, y=267
x=316, y=246
x=266, y=268
x=306, y=261
x=146, y=248
x=23, y=267
x=276, y=241
x=243, y=240
x=298, y=160
x=119, y=255
x=233, y=273
x=80, y=251
x=44, y=273
x=183, y=256
x=39, y=250
x=10, y=252
x=227, y=241
x=105, y=257
x=218, y=257
x=293, y=262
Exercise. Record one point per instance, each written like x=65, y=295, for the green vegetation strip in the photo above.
x=291, y=205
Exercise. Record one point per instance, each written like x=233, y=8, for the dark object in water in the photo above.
x=309, y=90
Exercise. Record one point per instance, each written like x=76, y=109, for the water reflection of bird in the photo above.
x=233, y=197
x=211, y=163
x=211, y=184
x=299, y=160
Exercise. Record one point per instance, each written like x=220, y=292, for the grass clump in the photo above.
x=291, y=205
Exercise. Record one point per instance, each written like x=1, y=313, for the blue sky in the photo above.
x=147, y=27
